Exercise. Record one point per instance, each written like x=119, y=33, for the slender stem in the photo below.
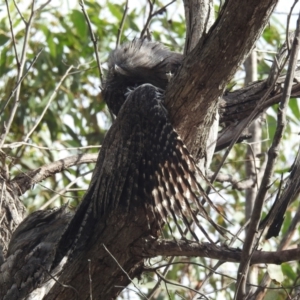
x=48, y=104
x=252, y=233
x=120, y=29
x=19, y=76
x=12, y=93
x=94, y=40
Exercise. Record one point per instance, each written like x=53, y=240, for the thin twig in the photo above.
x=20, y=81
x=146, y=26
x=285, y=242
x=127, y=275
x=94, y=40
x=12, y=35
x=180, y=285
x=43, y=6
x=90, y=279
x=266, y=180
x=153, y=269
x=161, y=10
x=48, y=104
x=165, y=271
x=219, y=263
x=19, y=76
x=120, y=29
x=57, y=281
x=19, y=12
x=151, y=15
x=61, y=192
x=126, y=288
x=25, y=181
x=287, y=34
x=20, y=144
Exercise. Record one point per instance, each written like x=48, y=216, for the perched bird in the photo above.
x=138, y=74
x=30, y=253
x=135, y=63
x=142, y=61
x=142, y=163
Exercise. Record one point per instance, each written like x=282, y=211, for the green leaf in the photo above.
x=51, y=45
x=271, y=35
x=115, y=10
x=79, y=22
x=3, y=39
x=293, y=104
x=288, y=271
x=133, y=26
x=271, y=126
x=94, y=5
x=52, y=123
x=287, y=221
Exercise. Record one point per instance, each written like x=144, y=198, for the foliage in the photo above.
x=78, y=117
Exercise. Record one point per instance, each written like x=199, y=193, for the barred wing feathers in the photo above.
x=142, y=163
x=164, y=169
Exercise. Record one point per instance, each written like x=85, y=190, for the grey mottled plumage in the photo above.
x=142, y=163
x=30, y=253
x=168, y=170
x=134, y=64
x=159, y=168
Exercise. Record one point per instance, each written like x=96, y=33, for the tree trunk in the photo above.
x=192, y=100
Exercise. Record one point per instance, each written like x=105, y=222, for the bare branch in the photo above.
x=165, y=271
x=43, y=6
x=287, y=34
x=19, y=76
x=120, y=29
x=225, y=253
x=24, y=181
x=275, y=217
x=94, y=40
x=285, y=242
x=62, y=191
x=180, y=285
x=126, y=274
x=250, y=240
x=219, y=263
x=19, y=12
x=146, y=26
x=20, y=144
x=18, y=83
x=12, y=35
x=152, y=14
x=48, y=104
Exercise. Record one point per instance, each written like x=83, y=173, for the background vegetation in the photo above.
x=77, y=116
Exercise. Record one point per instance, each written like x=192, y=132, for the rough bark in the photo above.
x=118, y=234
x=233, y=35
x=252, y=166
x=193, y=95
x=192, y=100
x=12, y=212
x=222, y=253
x=199, y=17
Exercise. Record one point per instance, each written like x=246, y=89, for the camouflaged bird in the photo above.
x=142, y=163
x=164, y=173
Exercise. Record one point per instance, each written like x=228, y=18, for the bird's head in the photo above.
x=136, y=63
